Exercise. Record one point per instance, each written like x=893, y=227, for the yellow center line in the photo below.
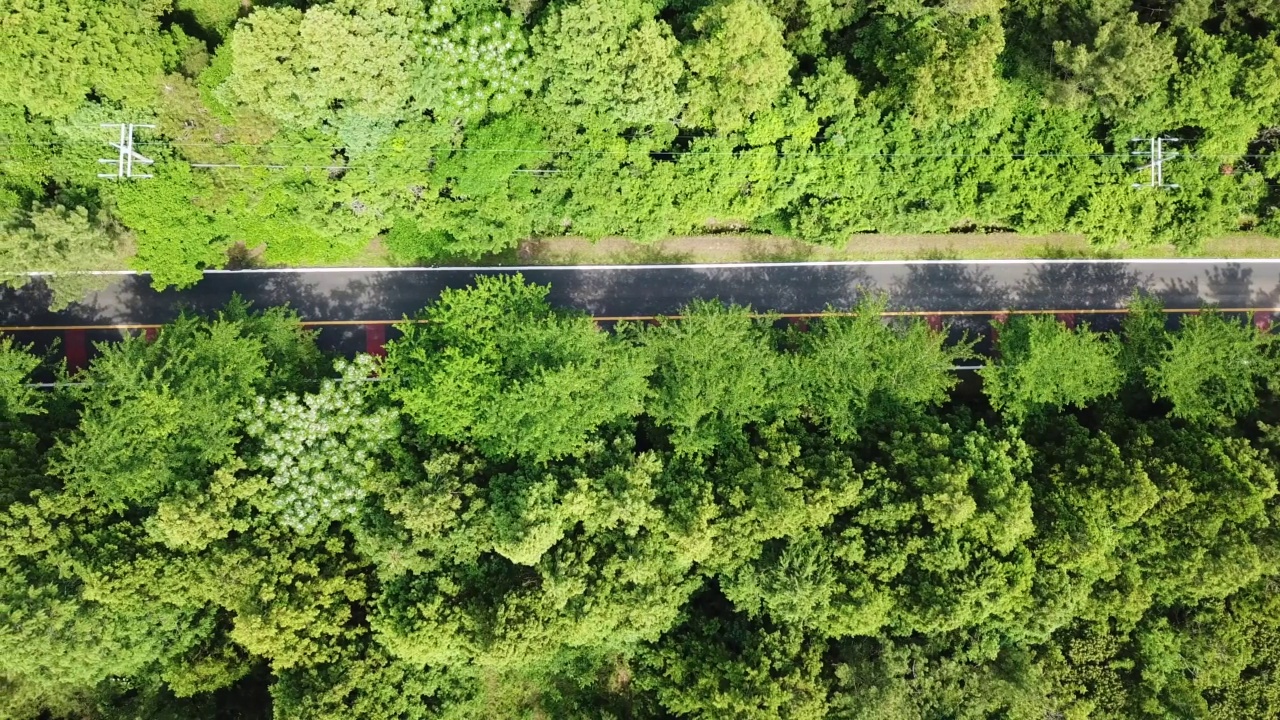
x=640, y=318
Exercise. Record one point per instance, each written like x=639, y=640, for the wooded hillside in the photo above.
x=517, y=514
x=455, y=128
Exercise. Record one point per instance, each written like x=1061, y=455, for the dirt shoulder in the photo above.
x=726, y=248
x=745, y=248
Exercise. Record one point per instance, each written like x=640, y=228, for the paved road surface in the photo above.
x=356, y=296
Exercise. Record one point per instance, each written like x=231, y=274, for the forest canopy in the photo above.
x=517, y=513
x=304, y=131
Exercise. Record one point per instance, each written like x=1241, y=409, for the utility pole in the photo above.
x=126, y=156
x=1158, y=156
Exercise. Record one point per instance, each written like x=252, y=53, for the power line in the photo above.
x=720, y=153
x=563, y=150
x=330, y=168
x=128, y=155
x=271, y=144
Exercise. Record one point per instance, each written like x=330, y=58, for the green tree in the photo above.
x=21, y=455
x=61, y=647
x=738, y=66
x=856, y=369
x=369, y=684
x=56, y=54
x=495, y=365
x=16, y=365
x=64, y=242
x=1129, y=61
x=543, y=570
x=717, y=371
x=944, y=65
x=727, y=667
x=1144, y=337
x=1211, y=369
x=808, y=22
x=159, y=417
x=1211, y=534
x=283, y=62
x=1089, y=497
x=768, y=502
x=609, y=60
x=1043, y=363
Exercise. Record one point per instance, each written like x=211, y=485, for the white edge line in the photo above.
x=691, y=266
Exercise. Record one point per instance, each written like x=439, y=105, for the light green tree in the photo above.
x=319, y=448
x=473, y=65
x=477, y=202
x=63, y=643
x=212, y=15
x=55, y=54
x=1212, y=368
x=62, y=241
x=495, y=365
x=738, y=66
x=177, y=236
x=1043, y=363
x=609, y=60
x=308, y=68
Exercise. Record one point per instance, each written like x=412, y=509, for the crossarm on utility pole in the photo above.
x=126, y=156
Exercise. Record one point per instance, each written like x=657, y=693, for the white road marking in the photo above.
x=691, y=266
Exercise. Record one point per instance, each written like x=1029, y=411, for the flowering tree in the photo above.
x=319, y=446
x=474, y=66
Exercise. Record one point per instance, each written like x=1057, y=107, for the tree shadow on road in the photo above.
x=665, y=291
x=948, y=286
x=1079, y=286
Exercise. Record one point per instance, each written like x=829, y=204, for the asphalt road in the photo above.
x=948, y=288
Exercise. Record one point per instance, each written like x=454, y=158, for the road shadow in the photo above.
x=948, y=286
x=314, y=297
x=1232, y=286
x=665, y=291
x=29, y=305
x=1078, y=286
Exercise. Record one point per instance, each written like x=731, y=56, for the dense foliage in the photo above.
x=451, y=128
x=519, y=514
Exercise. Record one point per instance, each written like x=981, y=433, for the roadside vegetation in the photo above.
x=517, y=513
x=303, y=132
